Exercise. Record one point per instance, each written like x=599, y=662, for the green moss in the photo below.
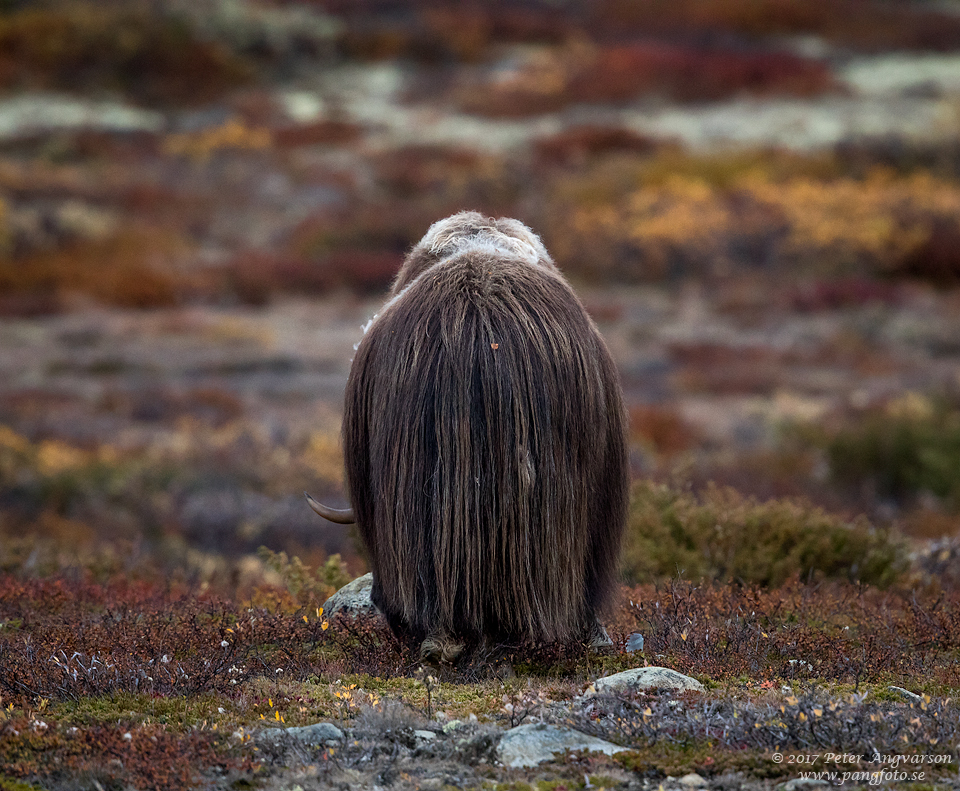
x=602, y=781
x=309, y=701
x=176, y=713
x=459, y=701
x=11, y=784
x=562, y=785
x=702, y=757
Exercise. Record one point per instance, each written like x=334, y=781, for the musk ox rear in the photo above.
x=484, y=443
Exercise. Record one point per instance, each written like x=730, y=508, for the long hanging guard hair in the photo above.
x=485, y=444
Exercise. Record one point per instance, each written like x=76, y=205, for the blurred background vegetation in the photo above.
x=202, y=201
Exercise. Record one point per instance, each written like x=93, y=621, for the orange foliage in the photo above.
x=234, y=134
x=834, y=226
x=662, y=428
x=576, y=144
x=257, y=277
x=126, y=270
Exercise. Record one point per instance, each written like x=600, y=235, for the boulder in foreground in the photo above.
x=647, y=678
x=530, y=745
x=352, y=600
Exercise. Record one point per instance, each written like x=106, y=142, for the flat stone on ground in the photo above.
x=801, y=784
x=316, y=735
x=647, y=678
x=530, y=745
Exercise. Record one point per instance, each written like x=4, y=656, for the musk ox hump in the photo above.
x=471, y=231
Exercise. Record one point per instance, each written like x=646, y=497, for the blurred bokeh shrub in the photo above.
x=722, y=535
x=443, y=31
x=549, y=80
x=134, y=268
x=153, y=56
x=176, y=501
x=906, y=449
x=865, y=24
x=611, y=205
x=639, y=221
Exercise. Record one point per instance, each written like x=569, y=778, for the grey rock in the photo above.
x=426, y=736
x=693, y=780
x=912, y=697
x=42, y=113
x=634, y=643
x=320, y=734
x=647, y=678
x=801, y=783
x=530, y=745
x=252, y=27
x=352, y=600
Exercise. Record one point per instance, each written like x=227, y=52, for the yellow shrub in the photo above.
x=324, y=458
x=232, y=135
x=692, y=222
x=54, y=457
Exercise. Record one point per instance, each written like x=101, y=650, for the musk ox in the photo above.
x=484, y=442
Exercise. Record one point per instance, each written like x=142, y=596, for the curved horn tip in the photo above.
x=341, y=517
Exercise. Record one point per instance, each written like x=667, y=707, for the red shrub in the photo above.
x=718, y=369
x=257, y=277
x=662, y=428
x=828, y=631
x=844, y=292
x=317, y=133
x=121, y=270
x=576, y=144
x=861, y=23
x=937, y=258
x=693, y=74
x=623, y=72
x=147, y=757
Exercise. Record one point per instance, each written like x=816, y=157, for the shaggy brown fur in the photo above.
x=484, y=443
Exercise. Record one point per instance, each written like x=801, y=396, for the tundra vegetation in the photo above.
x=184, y=272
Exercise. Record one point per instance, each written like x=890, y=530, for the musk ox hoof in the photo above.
x=440, y=648
x=598, y=640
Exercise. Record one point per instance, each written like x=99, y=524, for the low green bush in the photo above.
x=910, y=448
x=723, y=535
